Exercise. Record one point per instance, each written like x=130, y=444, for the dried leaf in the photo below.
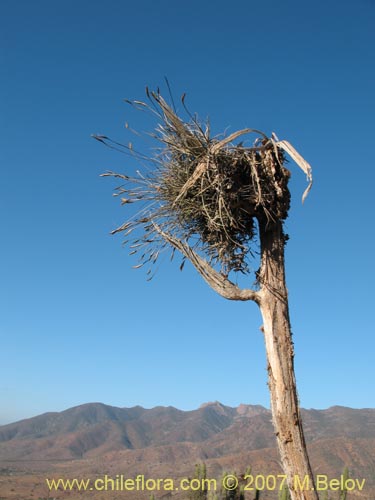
x=201, y=167
x=121, y=228
x=100, y=138
x=230, y=138
x=301, y=162
x=124, y=201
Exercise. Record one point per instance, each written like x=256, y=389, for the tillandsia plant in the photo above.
x=212, y=201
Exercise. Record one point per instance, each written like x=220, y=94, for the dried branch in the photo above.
x=222, y=285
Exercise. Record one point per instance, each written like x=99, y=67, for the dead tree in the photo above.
x=209, y=200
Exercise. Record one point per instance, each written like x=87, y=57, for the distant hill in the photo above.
x=98, y=428
x=162, y=439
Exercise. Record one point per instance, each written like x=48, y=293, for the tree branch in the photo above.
x=217, y=281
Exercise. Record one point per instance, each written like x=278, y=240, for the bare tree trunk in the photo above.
x=273, y=302
x=281, y=379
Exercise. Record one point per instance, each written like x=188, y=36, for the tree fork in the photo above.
x=286, y=415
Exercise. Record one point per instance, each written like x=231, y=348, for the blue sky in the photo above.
x=78, y=324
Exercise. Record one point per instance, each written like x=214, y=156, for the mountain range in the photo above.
x=99, y=438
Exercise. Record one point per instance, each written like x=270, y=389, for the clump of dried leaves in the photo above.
x=202, y=191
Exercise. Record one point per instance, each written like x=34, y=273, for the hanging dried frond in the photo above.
x=204, y=192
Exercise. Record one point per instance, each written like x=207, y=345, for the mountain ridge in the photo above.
x=95, y=439
x=99, y=428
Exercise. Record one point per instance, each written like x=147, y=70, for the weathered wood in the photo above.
x=280, y=353
x=272, y=299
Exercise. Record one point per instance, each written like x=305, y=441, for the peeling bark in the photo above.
x=280, y=353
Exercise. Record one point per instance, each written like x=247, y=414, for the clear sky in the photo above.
x=77, y=323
